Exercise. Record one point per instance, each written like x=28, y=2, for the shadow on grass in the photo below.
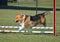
x=37, y=34
x=58, y=34
x=27, y=8
x=25, y=33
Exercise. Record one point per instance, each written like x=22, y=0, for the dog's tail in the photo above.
x=47, y=12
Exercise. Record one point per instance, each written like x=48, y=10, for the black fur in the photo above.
x=37, y=17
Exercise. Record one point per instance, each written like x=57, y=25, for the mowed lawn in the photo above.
x=7, y=17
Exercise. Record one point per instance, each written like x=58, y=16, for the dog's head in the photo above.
x=19, y=18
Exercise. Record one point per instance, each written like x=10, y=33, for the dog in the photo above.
x=22, y=17
x=32, y=20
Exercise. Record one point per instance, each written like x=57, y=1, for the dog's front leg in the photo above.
x=27, y=22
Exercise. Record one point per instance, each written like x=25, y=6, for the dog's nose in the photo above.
x=16, y=21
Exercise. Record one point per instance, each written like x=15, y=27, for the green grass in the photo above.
x=33, y=3
x=17, y=37
x=7, y=17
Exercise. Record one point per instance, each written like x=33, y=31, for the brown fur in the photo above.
x=27, y=21
x=19, y=18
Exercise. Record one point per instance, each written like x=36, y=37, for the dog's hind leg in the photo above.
x=44, y=24
x=43, y=21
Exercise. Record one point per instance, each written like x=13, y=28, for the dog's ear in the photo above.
x=21, y=15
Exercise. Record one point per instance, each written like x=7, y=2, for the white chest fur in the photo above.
x=22, y=23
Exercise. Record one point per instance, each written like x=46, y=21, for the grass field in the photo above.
x=7, y=17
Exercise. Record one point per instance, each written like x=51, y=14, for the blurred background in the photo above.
x=27, y=3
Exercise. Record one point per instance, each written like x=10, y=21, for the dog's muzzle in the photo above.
x=16, y=21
